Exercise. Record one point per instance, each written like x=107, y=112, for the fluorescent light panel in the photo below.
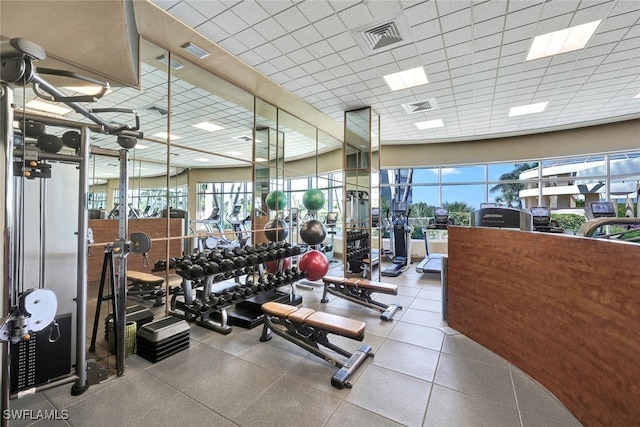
x=209, y=127
x=406, y=79
x=195, y=50
x=141, y=146
x=430, y=124
x=527, y=109
x=260, y=159
x=203, y=159
x=637, y=96
x=164, y=135
x=165, y=60
x=234, y=153
x=562, y=41
x=87, y=90
x=48, y=107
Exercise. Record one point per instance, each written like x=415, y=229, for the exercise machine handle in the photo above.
x=117, y=130
x=104, y=87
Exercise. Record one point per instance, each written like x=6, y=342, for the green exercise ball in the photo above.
x=276, y=200
x=313, y=199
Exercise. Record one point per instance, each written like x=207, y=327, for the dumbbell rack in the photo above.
x=204, y=272
x=357, y=250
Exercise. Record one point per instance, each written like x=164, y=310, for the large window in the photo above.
x=563, y=184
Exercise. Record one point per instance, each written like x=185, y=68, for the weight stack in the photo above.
x=162, y=338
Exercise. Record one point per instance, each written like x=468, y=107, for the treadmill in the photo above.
x=542, y=222
x=432, y=263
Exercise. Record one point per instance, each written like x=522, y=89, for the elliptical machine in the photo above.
x=400, y=240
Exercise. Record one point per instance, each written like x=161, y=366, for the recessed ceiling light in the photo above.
x=209, y=127
x=527, y=109
x=406, y=79
x=164, y=135
x=195, y=50
x=165, y=60
x=47, y=107
x=562, y=41
x=203, y=159
x=430, y=124
x=87, y=90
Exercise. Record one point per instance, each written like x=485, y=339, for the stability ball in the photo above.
x=313, y=232
x=313, y=199
x=276, y=230
x=272, y=266
x=276, y=200
x=315, y=263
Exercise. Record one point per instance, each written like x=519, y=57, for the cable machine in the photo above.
x=31, y=307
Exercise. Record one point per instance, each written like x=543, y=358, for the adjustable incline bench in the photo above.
x=309, y=329
x=146, y=286
x=359, y=291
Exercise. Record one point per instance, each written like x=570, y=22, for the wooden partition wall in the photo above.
x=106, y=231
x=564, y=309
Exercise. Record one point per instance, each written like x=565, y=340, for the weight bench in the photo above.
x=146, y=286
x=309, y=329
x=359, y=291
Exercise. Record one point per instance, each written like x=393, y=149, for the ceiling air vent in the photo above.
x=243, y=138
x=384, y=34
x=156, y=109
x=420, y=106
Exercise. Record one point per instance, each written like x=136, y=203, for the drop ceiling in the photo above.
x=473, y=53
x=307, y=55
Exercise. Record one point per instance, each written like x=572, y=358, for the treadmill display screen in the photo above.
x=602, y=209
x=541, y=215
x=442, y=215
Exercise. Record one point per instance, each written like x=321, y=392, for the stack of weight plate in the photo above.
x=135, y=313
x=162, y=338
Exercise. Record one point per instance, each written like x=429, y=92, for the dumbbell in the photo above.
x=215, y=256
x=227, y=265
x=240, y=261
x=212, y=267
x=238, y=251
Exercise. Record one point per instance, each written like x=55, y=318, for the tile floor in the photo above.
x=423, y=374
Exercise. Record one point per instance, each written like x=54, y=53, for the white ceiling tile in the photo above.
x=489, y=27
x=250, y=38
x=456, y=20
x=300, y=56
x=208, y=9
x=330, y=26
x=233, y=45
x=598, y=10
x=383, y=9
x=446, y=7
x=307, y=36
x=187, y=14
x=420, y=13
x=523, y=17
x=554, y=24
x=315, y=10
x=212, y=31
x=426, y=30
x=458, y=36
x=342, y=41
x=331, y=61
x=320, y=49
x=270, y=29
x=462, y=49
x=249, y=12
x=520, y=47
x=283, y=62
x=291, y=19
x=526, y=32
x=351, y=54
x=356, y=16
x=286, y=44
x=230, y=22
x=268, y=51
x=274, y=7
x=320, y=73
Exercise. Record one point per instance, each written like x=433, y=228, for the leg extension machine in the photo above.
x=309, y=329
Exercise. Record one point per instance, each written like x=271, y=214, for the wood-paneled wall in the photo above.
x=106, y=230
x=564, y=309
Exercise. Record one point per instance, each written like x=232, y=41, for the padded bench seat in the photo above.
x=385, y=288
x=146, y=278
x=332, y=323
x=309, y=329
x=359, y=291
